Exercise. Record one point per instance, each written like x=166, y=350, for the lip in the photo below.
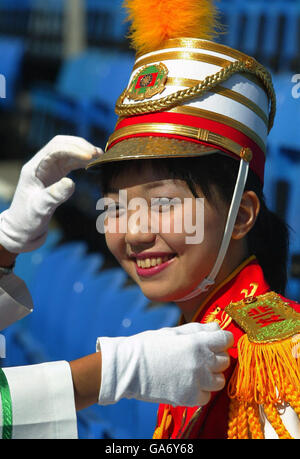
x=149, y=272
x=143, y=256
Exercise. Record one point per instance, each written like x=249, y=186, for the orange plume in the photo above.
x=155, y=21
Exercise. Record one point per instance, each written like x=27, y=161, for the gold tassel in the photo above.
x=267, y=374
x=160, y=430
x=264, y=371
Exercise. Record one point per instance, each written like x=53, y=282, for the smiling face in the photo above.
x=161, y=262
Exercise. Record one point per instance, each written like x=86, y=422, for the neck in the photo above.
x=234, y=258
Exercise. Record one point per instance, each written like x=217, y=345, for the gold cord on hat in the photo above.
x=210, y=82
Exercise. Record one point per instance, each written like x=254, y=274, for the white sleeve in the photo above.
x=289, y=418
x=43, y=404
x=15, y=300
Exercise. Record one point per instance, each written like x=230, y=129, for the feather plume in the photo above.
x=155, y=21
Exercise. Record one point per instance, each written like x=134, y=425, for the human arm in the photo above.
x=86, y=375
x=183, y=372
x=136, y=372
x=45, y=397
x=180, y=366
x=177, y=366
x=43, y=186
x=7, y=258
x=41, y=402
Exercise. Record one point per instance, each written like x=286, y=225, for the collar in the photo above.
x=246, y=280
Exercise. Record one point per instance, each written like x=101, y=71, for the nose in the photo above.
x=139, y=235
x=139, y=241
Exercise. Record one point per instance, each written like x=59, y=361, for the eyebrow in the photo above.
x=148, y=186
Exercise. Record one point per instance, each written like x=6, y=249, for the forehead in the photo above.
x=140, y=173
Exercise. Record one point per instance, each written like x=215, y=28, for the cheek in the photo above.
x=171, y=231
x=187, y=225
x=214, y=227
x=115, y=243
x=203, y=233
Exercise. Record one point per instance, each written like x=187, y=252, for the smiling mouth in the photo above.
x=147, y=263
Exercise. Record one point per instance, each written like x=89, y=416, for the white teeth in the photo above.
x=150, y=262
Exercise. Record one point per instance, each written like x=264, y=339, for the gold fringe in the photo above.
x=276, y=421
x=264, y=371
x=268, y=375
x=160, y=430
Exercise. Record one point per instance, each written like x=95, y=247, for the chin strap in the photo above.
x=231, y=219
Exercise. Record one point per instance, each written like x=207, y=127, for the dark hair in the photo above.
x=268, y=240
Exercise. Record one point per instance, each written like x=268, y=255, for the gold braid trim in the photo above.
x=233, y=419
x=292, y=399
x=210, y=82
x=254, y=421
x=267, y=375
x=276, y=422
x=242, y=425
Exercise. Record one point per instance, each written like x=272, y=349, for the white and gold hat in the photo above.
x=190, y=96
x=190, y=89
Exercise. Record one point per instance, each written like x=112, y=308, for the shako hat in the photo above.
x=186, y=87
x=189, y=96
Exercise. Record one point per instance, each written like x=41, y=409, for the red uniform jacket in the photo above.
x=211, y=421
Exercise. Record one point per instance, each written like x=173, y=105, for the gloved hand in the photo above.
x=178, y=366
x=41, y=189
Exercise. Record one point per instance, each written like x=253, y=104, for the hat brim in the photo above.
x=152, y=147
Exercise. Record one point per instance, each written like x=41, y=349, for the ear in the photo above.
x=247, y=215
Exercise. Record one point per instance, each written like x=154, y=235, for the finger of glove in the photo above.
x=186, y=329
x=220, y=363
x=64, y=155
x=194, y=327
x=56, y=144
x=30, y=223
x=214, y=382
x=203, y=397
x=218, y=382
x=219, y=341
x=57, y=194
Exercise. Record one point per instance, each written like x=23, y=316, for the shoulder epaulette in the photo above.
x=265, y=318
x=268, y=369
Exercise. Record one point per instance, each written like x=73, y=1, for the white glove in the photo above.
x=177, y=366
x=41, y=189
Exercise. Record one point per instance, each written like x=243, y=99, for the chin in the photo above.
x=160, y=297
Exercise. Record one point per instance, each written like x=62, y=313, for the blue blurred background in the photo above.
x=65, y=63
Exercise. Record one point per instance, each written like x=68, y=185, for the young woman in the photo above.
x=189, y=151
x=251, y=265
x=40, y=401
